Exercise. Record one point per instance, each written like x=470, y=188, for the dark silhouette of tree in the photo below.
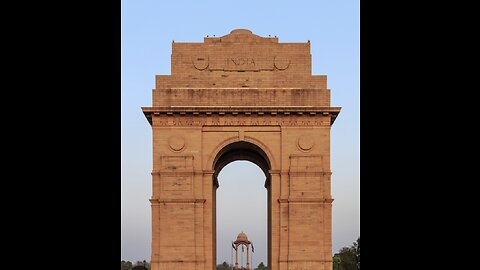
x=224, y=266
x=348, y=258
x=336, y=262
x=356, y=246
x=261, y=266
x=127, y=265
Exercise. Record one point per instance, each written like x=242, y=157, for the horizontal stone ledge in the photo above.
x=222, y=128
x=180, y=172
x=249, y=111
x=222, y=110
x=178, y=261
x=240, y=88
x=306, y=200
x=176, y=171
x=308, y=172
x=157, y=200
x=325, y=261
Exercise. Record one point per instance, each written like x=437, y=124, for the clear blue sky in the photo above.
x=148, y=28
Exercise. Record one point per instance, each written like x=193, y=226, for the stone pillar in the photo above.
x=274, y=221
x=248, y=264
x=208, y=219
x=236, y=257
x=155, y=256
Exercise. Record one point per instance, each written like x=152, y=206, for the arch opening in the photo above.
x=243, y=151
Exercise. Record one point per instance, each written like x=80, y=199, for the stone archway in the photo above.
x=241, y=96
x=242, y=150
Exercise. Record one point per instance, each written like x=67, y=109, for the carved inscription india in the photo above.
x=241, y=63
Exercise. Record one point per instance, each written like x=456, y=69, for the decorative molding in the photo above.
x=208, y=172
x=241, y=115
x=307, y=173
x=305, y=143
x=158, y=200
x=242, y=109
x=178, y=172
x=201, y=62
x=306, y=200
x=176, y=143
x=179, y=261
x=153, y=200
x=239, y=121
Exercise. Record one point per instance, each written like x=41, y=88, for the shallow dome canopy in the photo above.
x=242, y=238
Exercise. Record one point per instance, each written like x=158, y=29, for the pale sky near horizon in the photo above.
x=148, y=28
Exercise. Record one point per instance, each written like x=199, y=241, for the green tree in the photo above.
x=356, y=246
x=261, y=266
x=224, y=266
x=336, y=262
x=127, y=265
x=140, y=263
x=348, y=258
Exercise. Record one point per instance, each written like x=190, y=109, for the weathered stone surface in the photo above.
x=241, y=96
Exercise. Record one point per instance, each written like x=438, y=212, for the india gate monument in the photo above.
x=241, y=97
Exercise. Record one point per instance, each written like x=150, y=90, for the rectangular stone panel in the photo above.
x=305, y=231
x=305, y=185
x=177, y=183
x=239, y=97
x=176, y=163
x=177, y=234
x=312, y=163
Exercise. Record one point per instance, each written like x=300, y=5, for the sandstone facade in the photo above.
x=241, y=97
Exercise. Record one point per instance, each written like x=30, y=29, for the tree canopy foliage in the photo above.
x=127, y=265
x=261, y=266
x=227, y=266
x=224, y=266
x=348, y=258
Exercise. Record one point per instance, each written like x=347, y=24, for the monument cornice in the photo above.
x=242, y=110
